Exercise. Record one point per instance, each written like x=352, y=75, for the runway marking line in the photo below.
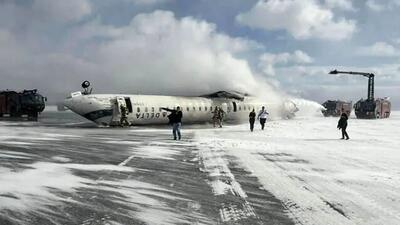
x=126, y=160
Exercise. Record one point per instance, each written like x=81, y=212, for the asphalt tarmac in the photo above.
x=65, y=170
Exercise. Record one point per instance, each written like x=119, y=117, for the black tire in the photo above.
x=85, y=84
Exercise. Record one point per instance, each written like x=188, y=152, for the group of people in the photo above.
x=175, y=119
x=262, y=116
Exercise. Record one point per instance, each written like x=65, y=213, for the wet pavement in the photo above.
x=64, y=170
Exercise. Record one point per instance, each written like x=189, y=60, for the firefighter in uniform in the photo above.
x=221, y=115
x=124, y=116
x=215, y=116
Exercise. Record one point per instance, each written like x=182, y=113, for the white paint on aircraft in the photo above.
x=104, y=109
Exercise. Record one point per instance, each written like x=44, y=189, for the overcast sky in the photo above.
x=200, y=46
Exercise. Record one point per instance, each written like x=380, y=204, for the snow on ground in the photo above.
x=53, y=172
x=319, y=178
x=155, y=151
x=29, y=188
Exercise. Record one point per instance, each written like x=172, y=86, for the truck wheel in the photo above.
x=33, y=116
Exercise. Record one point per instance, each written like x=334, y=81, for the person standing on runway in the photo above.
x=342, y=125
x=252, y=119
x=175, y=119
x=262, y=116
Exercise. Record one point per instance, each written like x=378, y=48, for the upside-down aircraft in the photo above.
x=105, y=109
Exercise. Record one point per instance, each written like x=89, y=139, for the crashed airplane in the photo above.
x=105, y=109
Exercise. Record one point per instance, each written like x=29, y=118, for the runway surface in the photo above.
x=64, y=170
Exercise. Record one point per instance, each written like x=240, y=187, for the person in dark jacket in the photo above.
x=252, y=119
x=342, y=124
x=175, y=119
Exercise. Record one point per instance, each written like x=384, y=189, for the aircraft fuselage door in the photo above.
x=119, y=101
x=128, y=104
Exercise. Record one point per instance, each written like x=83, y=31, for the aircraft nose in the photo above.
x=72, y=101
x=69, y=103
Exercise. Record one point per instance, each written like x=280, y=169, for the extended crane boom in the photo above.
x=370, y=80
x=370, y=108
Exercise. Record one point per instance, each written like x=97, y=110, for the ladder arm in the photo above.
x=352, y=73
x=370, y=80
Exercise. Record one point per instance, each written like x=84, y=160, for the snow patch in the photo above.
x=98, y=167
x=155, y=152
x=61, y=159
x=29, y=189
x=146, y=198
x=222, y=181
x=34, y=187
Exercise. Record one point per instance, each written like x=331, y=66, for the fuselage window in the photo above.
x=146, y=109
x=199, y=108
x=187, y=109
x=152, y=109
x=240, y=107
x=194, y=108
x=210, y=108
x=244, y=108
x=138, y=109
x=205, y=108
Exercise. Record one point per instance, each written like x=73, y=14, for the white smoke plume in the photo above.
x=156, y=53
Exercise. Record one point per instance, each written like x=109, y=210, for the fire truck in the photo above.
x=369, y=108
x=336, y=108
x=26, y=104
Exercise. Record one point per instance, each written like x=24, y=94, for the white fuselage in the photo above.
x=104, y=109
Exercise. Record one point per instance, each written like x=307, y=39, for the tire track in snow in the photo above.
x=232, y=199
x=304, y=206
